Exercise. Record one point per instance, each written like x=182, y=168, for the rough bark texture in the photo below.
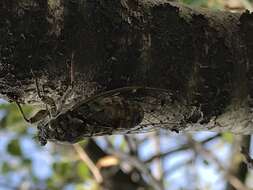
x=204, y=58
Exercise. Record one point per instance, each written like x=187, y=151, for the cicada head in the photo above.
x=63, y=128
x=48, y=131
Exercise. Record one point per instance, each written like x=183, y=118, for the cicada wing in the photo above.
x=128, y=110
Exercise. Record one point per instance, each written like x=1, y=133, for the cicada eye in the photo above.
x=42, y=141
x=52, y=123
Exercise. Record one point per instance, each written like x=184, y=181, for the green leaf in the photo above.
x=52, y=184
x=79, y=187
x=13, y=114
x=4, y=106
x=82, y=170
x=26, y=162
x=228, y=137
x=62, y=168
x=14, y=148
x=123, y=145
x=5, y=167
x=205, y=162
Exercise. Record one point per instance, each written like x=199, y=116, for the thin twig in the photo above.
x=234, y=181
x=181, y=148
x=134, y=161
x=131, y=145
x=158, y=162
x=177, y=166
x=248, y=159
x=85, y=158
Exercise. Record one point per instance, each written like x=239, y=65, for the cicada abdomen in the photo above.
x=115, y=112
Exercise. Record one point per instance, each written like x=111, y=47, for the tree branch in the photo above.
x=203, y=58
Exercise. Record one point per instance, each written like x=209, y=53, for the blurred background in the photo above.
x=229, y=5
x=159, y=160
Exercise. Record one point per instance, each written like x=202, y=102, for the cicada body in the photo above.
x=119, y=111
x=111, y=111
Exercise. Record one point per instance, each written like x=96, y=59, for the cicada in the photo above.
x=119, y=111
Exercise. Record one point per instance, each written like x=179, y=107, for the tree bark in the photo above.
x=203, y=58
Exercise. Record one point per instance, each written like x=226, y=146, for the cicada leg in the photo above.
x=42, y=113
x=37, y=117
x=48, y=101
x=22, y=112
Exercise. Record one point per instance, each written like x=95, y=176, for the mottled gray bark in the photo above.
x=203, y=58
